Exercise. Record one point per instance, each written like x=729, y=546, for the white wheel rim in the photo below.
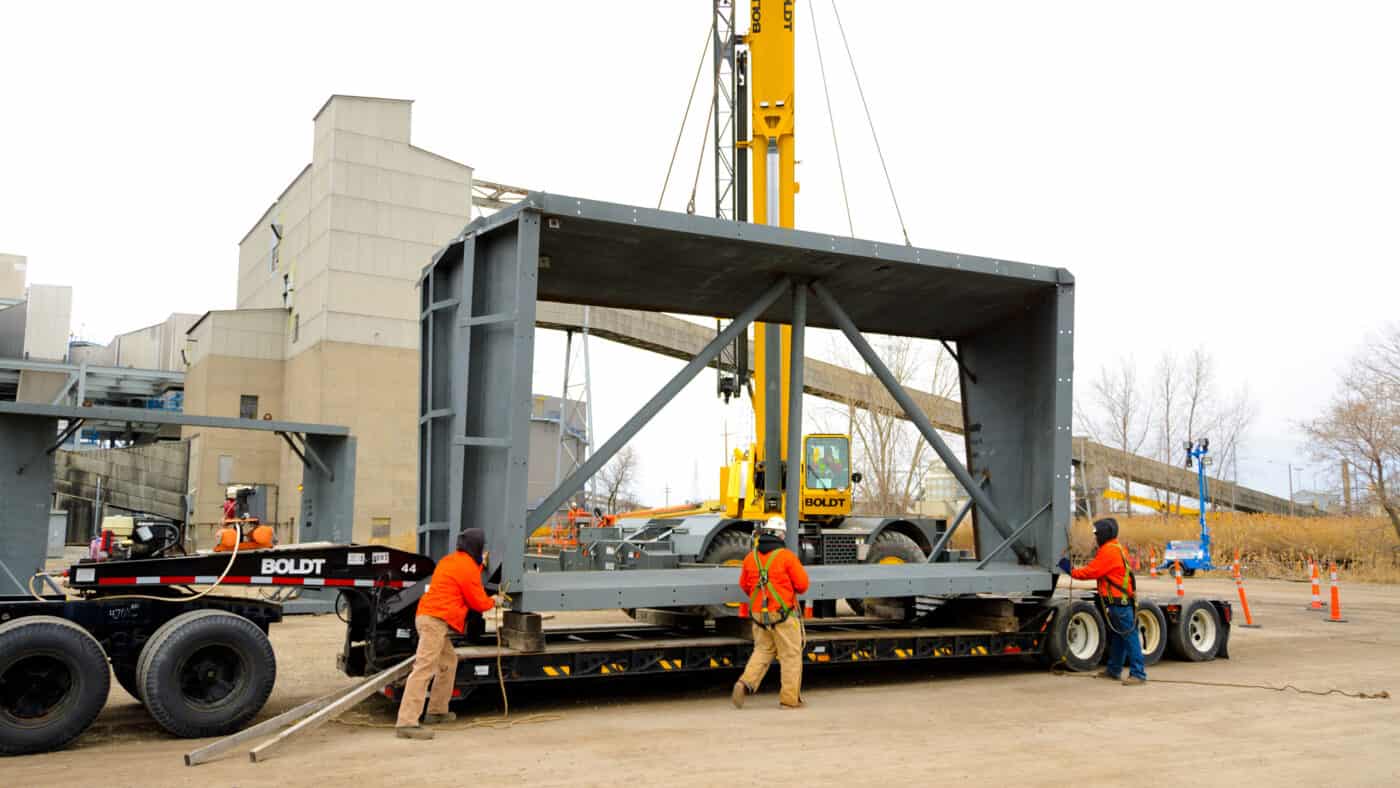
x=1149, y=630
x=1082, y=634
x=1202, y=626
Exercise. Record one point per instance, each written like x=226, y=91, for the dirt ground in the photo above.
x=1007, y=723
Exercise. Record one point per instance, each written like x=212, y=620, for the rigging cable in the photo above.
x=871, y=121
x=831, y=116
x=709, y=35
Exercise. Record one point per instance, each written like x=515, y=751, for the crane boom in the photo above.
x=771, y=91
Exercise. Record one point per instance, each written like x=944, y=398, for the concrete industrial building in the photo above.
x=326, y=325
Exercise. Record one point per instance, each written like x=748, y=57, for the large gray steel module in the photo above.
x=1012, y=324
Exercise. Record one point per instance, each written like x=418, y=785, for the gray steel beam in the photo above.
x=576, y=480
x=942, y=543
x=307, y=455
x=1013, y=537
x=843, y=321
x=67, y=387
x=144, y=416
x=795, y=456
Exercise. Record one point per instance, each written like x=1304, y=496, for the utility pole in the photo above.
x=1291, y=513
x=668, y=495
x=1346, y=487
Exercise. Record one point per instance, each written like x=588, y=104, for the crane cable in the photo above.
x=700, y=160
x=888, y=182
x=831, y=116
x=709, y=35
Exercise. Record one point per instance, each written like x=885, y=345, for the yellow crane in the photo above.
x=752, y=484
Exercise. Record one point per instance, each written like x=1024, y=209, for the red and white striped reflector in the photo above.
x=182, y=580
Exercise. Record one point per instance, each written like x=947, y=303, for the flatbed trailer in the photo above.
x=1059, y=631
x=202, y=665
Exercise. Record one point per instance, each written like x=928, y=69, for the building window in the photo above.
x=296, y=327
x=248, y=406
x=287, y=290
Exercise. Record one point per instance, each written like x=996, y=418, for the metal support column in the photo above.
x=794, y=436
x=541, y=513
x=916, y=415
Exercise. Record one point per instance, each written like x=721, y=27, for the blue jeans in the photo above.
x=1121, y=619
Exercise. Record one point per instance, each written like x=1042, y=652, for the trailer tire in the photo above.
x=53, y=683
x=206, y=673
x=727, y=549
x=1152, y=631
x=1077, y=636
x=890, y=547
x=1196, y=634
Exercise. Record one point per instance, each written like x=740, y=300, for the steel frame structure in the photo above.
x=1012, y=322
x=29, y=435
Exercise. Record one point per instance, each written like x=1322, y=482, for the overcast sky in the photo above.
x=1213, y=173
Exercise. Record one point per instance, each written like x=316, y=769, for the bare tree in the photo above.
x=892, y=456
x=618, y=479
x=1362, y=424
x=1124, y=416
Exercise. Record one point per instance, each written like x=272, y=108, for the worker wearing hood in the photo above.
x=455, y=588
x=1118, y=596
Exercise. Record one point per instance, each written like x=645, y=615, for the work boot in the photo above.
x=739, y=694
x=801, y=704
x=438, y=719
x=1103, y=674
x=413, y=732
x=1134, y=681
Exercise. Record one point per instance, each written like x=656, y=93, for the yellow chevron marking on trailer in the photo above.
x=550, y=671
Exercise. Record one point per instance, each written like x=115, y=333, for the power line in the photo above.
x=888, y=181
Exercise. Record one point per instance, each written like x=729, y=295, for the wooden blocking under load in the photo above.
x=997, y=615
x=522, y=631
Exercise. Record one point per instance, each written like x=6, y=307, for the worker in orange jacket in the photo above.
x=1118, y=596
x=772, y=577
x=454, y=589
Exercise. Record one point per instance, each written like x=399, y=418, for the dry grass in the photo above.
x=1365, y=548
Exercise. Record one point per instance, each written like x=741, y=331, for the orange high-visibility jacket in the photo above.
x=785, y=575
x=1110, y=563
x=456, y=586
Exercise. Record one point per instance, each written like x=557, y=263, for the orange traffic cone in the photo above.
x=1137, y=562
x=1244, y=601
x=1335, y=616
x=1152, y=560
x=1316, y=587
x=1176, y=570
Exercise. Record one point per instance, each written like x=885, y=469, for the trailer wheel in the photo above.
x=890, y=547
x=206, y=673
x=1076, y=636
x=53, y=683
x=727, y=549
x=1152, y=631
x=1195, y=636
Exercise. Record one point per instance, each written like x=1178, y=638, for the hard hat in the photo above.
x=777, y=525
x=231, y=492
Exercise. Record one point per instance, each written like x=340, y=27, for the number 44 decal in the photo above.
x=409, y=569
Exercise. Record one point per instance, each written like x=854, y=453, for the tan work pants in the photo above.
x=785, y=642
x=435, y=660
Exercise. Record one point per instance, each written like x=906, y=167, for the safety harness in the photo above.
x=760, y=613
x=1126, y=596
